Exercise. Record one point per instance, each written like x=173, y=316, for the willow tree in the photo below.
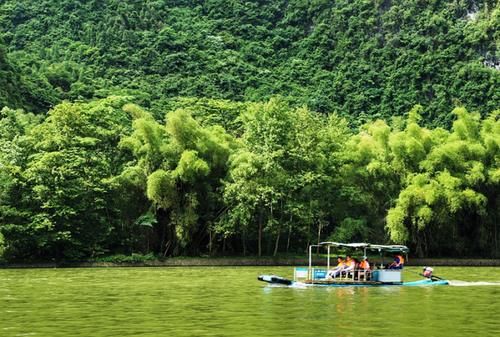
x=451, y=203
x=179, y=166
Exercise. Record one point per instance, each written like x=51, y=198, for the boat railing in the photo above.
x=354, y=275
x=321, y=274
x=300, y=273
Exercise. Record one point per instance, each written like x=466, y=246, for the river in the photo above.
x=212, y=301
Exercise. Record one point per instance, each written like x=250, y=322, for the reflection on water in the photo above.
x=231, y=302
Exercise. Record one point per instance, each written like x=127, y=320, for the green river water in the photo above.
x=225, y=301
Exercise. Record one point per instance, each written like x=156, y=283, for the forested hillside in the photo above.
x=13, y=92
x=361, y=59
x=228, y=127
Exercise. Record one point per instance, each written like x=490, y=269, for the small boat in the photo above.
x=322, y=277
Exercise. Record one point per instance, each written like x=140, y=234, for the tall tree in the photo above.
x=180, y=166
x=452, y=198
x=278, y=179
x=66, y=202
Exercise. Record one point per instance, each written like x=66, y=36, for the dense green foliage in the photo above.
x=363, y=59
x=14, y=92
x=55, y=198
x=106, y=177
x=213, y=127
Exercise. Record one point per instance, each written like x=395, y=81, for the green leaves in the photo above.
x=191, y=167
x=453, y=186
x=106, y=175
x=63, y=185
x=281, y=171
x=161, y=189
x=183, y=163
x=363, y=60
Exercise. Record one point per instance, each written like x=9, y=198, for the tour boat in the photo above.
x=319, y=276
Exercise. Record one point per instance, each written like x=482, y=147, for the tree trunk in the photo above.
x=495, y=232
x=244, y=242
x=163, y=236
x=210, y=242
x=289, y=236
x=160, y=231
x=167, y=247
x=308, y=236
x=319, y=235
x=496, y=239
x=260, y=235
x=276, y=244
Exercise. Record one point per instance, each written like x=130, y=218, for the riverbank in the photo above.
x=243, y=261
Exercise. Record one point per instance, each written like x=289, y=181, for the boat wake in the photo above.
x=458, y=283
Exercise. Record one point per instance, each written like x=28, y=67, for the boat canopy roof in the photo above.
x=370, y=246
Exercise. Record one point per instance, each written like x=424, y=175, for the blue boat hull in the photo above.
x=273, y=279
x=426, y=282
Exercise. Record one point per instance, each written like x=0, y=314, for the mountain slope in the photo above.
x=363, y=59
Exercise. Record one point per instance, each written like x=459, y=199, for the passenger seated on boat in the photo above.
x=364, y=270
x=337, y=270
x=356, y=267
x=350, y=266
x=398, y=263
